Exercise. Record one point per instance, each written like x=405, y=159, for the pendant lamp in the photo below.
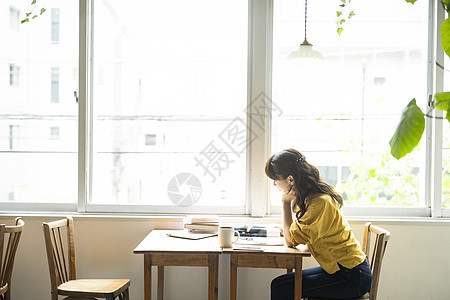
x=305, y=50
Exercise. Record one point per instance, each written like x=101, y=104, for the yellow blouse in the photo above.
x=326, y=232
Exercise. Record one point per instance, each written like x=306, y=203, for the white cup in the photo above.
x=226, y=234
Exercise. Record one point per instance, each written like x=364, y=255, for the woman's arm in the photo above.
x=286, y=200
x=287, y=221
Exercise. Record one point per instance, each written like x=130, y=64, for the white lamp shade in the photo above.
x=305, y=50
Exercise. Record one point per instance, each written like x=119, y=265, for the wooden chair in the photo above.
x=7, y=255
x=374, y=256
x=59, y=241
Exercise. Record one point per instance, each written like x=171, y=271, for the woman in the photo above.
x=343, y=272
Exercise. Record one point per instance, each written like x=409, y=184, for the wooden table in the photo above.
x=161, y=250
x=272, y=257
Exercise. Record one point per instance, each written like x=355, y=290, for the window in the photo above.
x=14, y=21
x=181, y=77
x=14, y=71
x=55, y=25
x=54, y=85
x=341, y=111
x=181, y=102
x=54, y=132
x=13, y=137
x=38, y=172
x=150, y=139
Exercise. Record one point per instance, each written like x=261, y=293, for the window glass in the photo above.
x=36, y=167
x=446, y=144
x=170, y=79
x=341, y=111
x=446, y=165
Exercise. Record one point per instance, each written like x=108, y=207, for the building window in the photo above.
x=14, y=18
x=14, y=72
x=150, y=139
x=13, y=137
x=54, y=132
x=54, y=85
x=55, y=25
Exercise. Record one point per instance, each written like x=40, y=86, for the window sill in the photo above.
x=177, y=220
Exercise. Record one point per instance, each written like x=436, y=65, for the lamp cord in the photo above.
x=306, y=10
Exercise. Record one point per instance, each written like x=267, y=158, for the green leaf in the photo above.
x=42, y=10
x=351, y=14
x=339, y=30
x=447, y=5
x=342, y=5
x=34, y=2
x=443, y=101
x=28, y=14
x=338, y=13
x=341, y=21
x=411, y=1
x=445, y=36
x=409, y=130
x=34, y=17
x=25, y=20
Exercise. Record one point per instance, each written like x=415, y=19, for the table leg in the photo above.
x=298, y=278
x=233, y=276
x=147, y=276
x=160, y=282
x=213, y=277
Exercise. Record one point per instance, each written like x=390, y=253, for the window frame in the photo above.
x=432, y=137
x=85, y=150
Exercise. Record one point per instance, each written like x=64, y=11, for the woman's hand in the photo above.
x=280, y=227
x=288, y=195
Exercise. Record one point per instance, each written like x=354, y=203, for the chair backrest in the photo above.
x=59, y=242
x=9, y=240
x=375, y=253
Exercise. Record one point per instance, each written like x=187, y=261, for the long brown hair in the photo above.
x=306, y=177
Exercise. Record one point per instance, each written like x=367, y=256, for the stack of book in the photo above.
x=202, y=224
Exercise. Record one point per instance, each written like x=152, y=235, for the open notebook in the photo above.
x=263, y=241
x=190, y=236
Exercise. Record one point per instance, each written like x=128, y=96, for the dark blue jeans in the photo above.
x=316, y=283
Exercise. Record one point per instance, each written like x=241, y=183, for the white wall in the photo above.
x=416, y=265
